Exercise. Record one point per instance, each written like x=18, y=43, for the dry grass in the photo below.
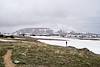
x=31, y=53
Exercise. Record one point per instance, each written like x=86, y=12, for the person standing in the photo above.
x=66, y=43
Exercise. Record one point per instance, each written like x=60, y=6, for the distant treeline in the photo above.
x=6, y=36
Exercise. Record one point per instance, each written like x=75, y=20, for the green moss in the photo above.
x=2, y=53
x=52, y=56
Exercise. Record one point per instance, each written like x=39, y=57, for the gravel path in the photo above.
x=4, y=40
x=7, y=59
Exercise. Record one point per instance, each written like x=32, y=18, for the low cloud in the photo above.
x=78, y=15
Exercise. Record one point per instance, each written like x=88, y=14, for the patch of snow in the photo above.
x=93, y=46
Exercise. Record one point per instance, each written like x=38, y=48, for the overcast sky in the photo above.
x=78, y=15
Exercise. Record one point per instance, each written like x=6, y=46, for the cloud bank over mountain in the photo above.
x=78, y=15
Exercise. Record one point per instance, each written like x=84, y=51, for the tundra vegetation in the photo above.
x=28, y=52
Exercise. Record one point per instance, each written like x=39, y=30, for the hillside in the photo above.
x=35, y=31
x=27, y=52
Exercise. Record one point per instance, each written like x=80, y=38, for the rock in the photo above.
x=16, y=62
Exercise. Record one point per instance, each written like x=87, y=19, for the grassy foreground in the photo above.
x=31, y=53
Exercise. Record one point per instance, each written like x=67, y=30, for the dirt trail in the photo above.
x=7, y=59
